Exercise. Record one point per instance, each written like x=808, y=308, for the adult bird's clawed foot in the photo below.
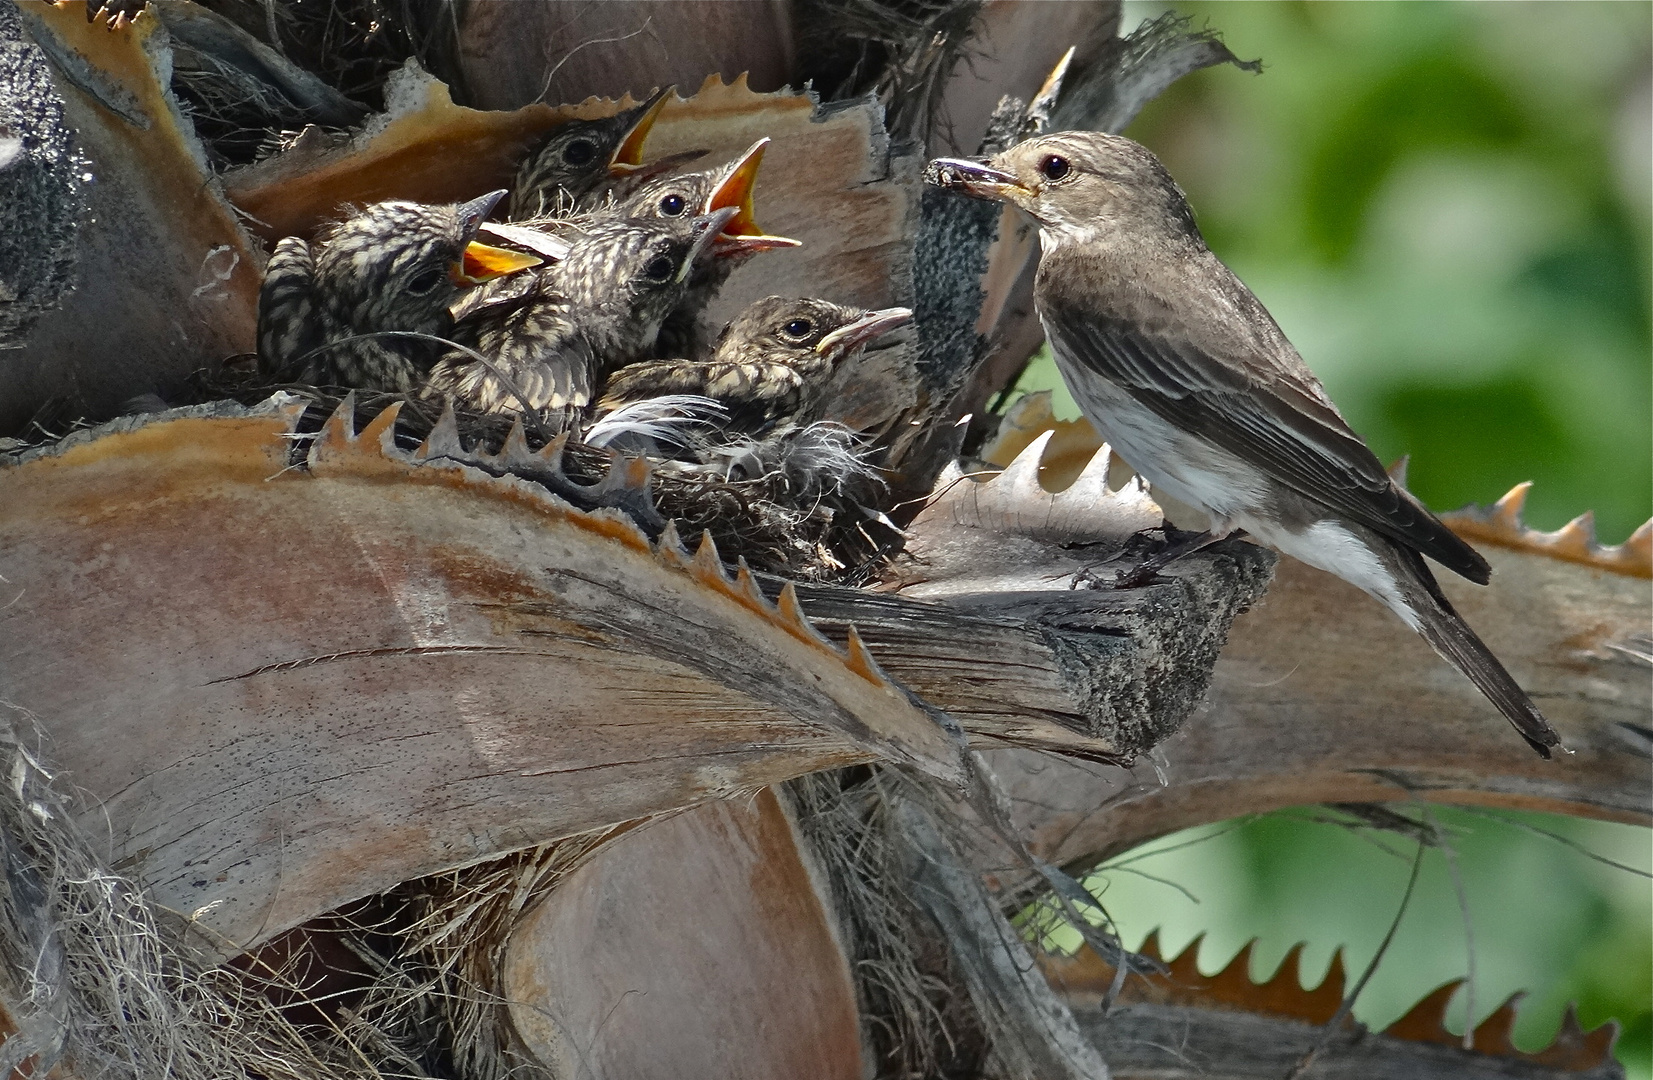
x=1147, y=570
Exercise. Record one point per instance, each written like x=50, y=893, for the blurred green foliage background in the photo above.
x=1446, y=207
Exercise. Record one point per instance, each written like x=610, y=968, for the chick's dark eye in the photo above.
x=661, y=269
x=579, y=152
x=798, y=328
x=426, y=280
x=672, y=205
x=1054, y=167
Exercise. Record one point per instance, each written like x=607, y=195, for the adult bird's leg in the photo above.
x=1146, y=572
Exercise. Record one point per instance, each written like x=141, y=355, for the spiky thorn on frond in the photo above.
x=1086, y=978
x=1575, y=541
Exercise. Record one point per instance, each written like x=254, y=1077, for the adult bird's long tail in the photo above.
x=1451, y=637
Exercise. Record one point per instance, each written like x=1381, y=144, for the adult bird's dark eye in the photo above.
x=1055, y=167
x=660, y=269
x=798, y=328
x=426, y=280
x=672, y=205
x=579, y=152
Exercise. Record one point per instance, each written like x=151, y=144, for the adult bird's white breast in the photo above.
x=1187, y=468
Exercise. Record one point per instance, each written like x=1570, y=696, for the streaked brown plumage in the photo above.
x=702, y=192
x=546, y=348
x=771, y=365
x=391, y=269
x=585, y=162
x=1187, y=375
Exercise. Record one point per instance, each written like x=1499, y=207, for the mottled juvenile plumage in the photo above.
x=599, y=308
x=702, y=192
x=395, y=266
x=584, y=162
x=1185, y=373
x=771, y=365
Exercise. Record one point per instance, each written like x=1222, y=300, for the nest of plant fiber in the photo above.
x=919, y=1019
x=775, y=503
x=435, y=947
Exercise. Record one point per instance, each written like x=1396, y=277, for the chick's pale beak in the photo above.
x=628, y=157
x=974, y=178
x=873, y=323
x=479, y=262
x=475, y=212
x=734, y=191
x=708, y=227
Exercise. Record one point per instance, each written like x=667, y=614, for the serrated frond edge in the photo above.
x=1502, y=524
x=1282, y=995
x=1031, y=418
x=339, y=450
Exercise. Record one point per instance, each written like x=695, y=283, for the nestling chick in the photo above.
x=600, y=308
x=395, y=267
x=677, y=196
x=584, y=162
x=1187, y=375
x=771, y=364
x=672, y=196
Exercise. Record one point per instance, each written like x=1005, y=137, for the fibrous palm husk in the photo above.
x=168, y=280
x=96, y=982
x=42, y=187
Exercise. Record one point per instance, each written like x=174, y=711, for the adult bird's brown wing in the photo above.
x=1257, y=414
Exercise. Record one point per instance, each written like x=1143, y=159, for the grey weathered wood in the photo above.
x=1017, y=46
x=282, y=691
x=1095, y=673
x=1322, y=696
x=1034, y=1033
x=567, y=50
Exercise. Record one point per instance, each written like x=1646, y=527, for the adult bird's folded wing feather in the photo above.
x=1293, y=436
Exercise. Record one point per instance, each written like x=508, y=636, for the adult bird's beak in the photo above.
x=628, y=156
x=974, y=178
x=855, y=334
x=708, y=229
x=735, y=191
x=478, y=262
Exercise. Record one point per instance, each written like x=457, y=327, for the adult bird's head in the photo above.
x=623, y=277
x=1080, y=185
x=728, y=187
x=580, y=157
x=398, y=265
